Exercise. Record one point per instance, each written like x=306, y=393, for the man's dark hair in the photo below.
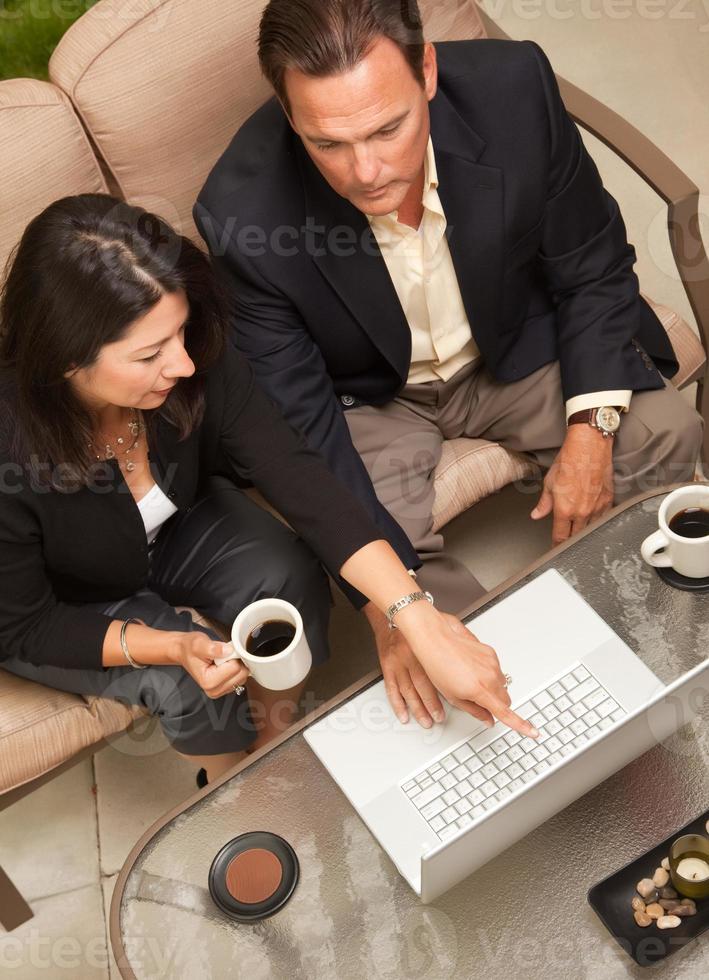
x=330, y=37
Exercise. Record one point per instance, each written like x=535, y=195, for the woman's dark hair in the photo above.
x=329, y=37
x=85, y=269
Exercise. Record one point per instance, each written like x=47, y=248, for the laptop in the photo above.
x=443, y=801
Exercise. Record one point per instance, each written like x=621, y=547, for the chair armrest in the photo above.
x=674, y=187
x=678, y=192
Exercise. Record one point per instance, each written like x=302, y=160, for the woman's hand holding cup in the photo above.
x=196, y=652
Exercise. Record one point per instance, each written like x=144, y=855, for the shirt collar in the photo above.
x=430, y=198
x=431, y=173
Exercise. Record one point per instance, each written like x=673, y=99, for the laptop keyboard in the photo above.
x=485, y=771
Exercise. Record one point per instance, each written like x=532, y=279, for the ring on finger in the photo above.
x=239, y=689
x=508, y=680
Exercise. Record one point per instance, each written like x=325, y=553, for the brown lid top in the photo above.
x=254, y=875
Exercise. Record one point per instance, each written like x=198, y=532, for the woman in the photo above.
x=128, y=424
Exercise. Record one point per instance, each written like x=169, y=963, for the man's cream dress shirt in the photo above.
x=421, y=269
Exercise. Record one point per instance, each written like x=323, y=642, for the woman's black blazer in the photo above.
x=62, y=548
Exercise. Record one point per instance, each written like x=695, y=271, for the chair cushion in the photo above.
x=40, y=728
x=45, y=155
x=685, y=341
x=471, y=469
x=163, y=86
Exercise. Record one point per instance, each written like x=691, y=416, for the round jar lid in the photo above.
x=253, y=876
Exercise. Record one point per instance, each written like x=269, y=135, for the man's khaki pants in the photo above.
x=400, y=443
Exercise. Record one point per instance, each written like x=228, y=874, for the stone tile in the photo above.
x=48, y=840
x=107, y=886
x=65, y=938
x=139, y=778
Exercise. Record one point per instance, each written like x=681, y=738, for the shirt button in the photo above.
x=347, y=400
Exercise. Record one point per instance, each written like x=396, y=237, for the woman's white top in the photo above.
x=155, y=509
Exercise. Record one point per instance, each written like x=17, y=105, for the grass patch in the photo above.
x=30, y=30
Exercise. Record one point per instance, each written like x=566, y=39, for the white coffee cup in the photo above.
x=282, y=670
x=688, y=556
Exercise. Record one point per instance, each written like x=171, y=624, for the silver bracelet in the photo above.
x=124, y=645
x=402, y=603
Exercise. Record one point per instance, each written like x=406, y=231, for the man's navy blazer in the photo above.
x=539, y=247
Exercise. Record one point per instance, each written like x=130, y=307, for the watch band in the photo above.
x=402, y=603
x=587, y=415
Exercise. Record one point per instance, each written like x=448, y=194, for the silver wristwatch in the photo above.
x=402, y=603
x=606, y=419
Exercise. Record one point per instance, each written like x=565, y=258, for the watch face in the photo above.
x=608, y=419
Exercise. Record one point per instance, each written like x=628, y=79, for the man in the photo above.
x=418, y=248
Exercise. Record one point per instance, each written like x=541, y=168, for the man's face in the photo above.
x=367, y=130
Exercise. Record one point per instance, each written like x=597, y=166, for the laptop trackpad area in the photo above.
x=366, y=748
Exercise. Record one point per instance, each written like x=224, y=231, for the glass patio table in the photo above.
x=351, y=916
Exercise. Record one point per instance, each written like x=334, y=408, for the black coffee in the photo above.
x=270, y=638
x=691, y=523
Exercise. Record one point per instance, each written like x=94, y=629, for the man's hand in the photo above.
x=407, y=685
x=579, y=485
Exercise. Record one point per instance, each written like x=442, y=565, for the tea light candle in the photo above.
x=693, y=869
x=689, y=865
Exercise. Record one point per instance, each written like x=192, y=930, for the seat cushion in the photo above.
x=45, y=155
x=685, y=341
x=471, y=469
x=163, y=86
x=40, y=728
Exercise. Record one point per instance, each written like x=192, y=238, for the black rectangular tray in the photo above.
x=610, y=900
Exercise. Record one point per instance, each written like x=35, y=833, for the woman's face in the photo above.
x=139, y=370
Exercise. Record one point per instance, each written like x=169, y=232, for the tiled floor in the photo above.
x=64, y=845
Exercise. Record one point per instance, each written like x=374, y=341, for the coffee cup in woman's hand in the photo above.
x=268, y=636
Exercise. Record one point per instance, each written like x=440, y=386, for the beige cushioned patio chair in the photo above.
x=143, y=99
